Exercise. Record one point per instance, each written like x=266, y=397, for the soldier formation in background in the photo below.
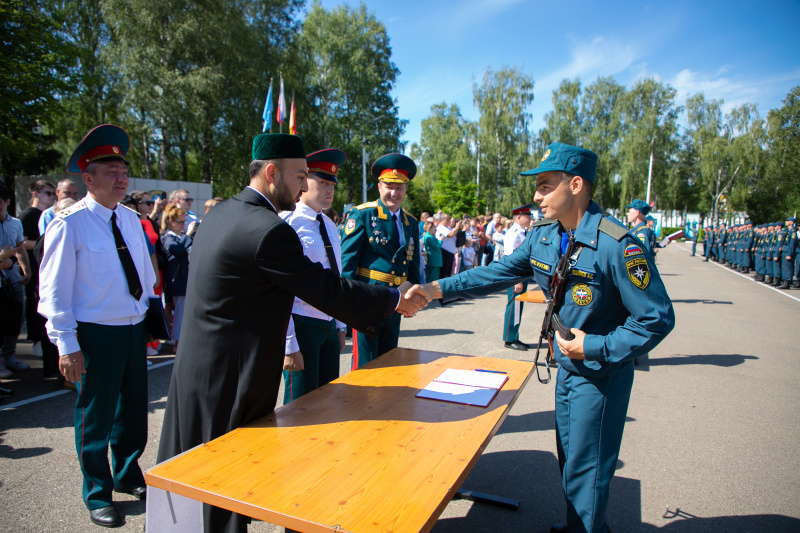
x=770, y=249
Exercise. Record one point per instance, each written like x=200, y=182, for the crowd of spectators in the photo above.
x=167, y=221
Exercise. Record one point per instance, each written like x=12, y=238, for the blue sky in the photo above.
x=736, y=51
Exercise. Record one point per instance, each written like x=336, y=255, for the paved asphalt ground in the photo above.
x=711, y=442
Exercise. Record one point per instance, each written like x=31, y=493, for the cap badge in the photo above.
x=115, y=149
x=333, y=168
x=546, y=155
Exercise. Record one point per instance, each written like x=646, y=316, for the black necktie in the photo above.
x=131, y=276
x=327, y=242
x=395, y=232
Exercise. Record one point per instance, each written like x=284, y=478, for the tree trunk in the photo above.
x=497, y=139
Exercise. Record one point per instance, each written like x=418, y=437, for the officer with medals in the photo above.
x=637, y=213
x=380, y=247
x=616, y=306
x=95, y=279
x=513, y=238
x=314, y=340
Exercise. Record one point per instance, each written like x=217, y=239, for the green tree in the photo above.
x=346, y=74
x=563, y=123
x=503, y=131
x=33, y=61
x=600, y=132
x=649, y=124
x=451, y=195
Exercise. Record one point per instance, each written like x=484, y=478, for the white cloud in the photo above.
x=602, y=56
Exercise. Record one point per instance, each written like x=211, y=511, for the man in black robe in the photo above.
x=247, y=266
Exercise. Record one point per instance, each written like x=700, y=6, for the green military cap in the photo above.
x=105, y=143
x=567, y=158
x=278, y=146
x=326, y=163
x=394, y=168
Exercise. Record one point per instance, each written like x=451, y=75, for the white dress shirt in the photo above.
x=513, y=238
x=304, y=222
x=448, y=243
x=81, y=277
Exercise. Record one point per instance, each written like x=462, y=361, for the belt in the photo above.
x=391, y=279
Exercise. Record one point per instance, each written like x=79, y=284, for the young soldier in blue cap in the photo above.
x=787, y=253
x=616, y=306
x=380, y=246
x=637, y=215
x=95, y=279
x=513, y=238
x=315, y=339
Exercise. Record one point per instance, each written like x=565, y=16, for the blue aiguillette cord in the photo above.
x=564, y=241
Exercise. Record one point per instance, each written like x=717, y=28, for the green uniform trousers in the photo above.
x=111, y=409
x=319, y=344
x=365, y=349
x=511, y=330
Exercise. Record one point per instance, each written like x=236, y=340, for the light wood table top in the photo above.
x=536, y=297
x=359, y=454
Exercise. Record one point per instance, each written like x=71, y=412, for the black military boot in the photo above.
x=796, y=284
x=784, y=285
x=766, y=280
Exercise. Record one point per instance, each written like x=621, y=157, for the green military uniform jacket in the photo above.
x=369, y=252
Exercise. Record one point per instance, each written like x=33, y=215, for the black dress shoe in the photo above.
x=105, y=516
x=139, y=493
x=562, y=528
x=5, y=393
x=517, y=345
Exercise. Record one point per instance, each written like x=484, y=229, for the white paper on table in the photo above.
x=450, y=392
x=473, y=378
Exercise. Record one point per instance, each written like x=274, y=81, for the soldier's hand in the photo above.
x=71, y=366
x=518, y=288
x=429, y=291
x=408, y=307
x=293, y=361
x=574, y=348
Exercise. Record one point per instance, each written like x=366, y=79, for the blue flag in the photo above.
x=267, y=114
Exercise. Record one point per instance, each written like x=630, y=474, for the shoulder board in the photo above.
x=543, y=222
x=131, y=210
x=74, y=208
x=366, y=205
x=409, y=215
x=611, y=229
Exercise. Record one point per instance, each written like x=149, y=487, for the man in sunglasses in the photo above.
x=183, y=199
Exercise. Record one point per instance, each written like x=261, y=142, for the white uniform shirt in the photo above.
x=513, y=238
x=304, y=221
x=81, y=277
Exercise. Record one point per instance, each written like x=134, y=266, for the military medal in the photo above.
x=371, y=239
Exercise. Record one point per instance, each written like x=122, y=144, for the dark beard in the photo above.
x=284, y=198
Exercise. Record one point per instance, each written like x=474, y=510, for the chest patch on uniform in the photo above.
x=638, y=272
x=544, y=267
x=581, y=273
x=632, y=250
x=582, y=294
x=350, y=226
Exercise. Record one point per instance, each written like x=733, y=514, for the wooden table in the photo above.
x=536, y=297
x=359, y=454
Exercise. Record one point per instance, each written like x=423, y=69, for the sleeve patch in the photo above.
x=632, y=250
x=350, y=226
x=638, y=272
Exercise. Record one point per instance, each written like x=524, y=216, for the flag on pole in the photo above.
x=267, y=114
x=293, y=118
x=281, y=113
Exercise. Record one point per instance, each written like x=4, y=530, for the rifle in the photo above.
x=552, y=322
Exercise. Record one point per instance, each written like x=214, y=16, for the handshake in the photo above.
x=414, y=298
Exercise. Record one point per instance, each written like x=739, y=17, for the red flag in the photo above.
x=293, y=119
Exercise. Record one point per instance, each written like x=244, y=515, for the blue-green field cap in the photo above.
x=639, y=205
x=567, y=158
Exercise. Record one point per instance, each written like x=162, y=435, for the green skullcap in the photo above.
x=278, y=146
